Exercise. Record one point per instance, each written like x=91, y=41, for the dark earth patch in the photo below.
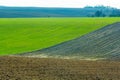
x=23, y=68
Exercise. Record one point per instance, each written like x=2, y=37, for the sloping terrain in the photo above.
x=102, y=43
x=22, y=68
x=19, y=35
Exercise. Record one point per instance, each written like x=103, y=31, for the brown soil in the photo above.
x=22, y=68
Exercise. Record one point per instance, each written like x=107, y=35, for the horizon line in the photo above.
x=58, y=7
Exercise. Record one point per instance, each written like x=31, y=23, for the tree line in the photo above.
x=101, y=11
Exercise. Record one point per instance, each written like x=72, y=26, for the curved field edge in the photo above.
x=18, y=35
x=45, y=56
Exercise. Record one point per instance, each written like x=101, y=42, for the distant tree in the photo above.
x=98, y=13
x=115, y=13
x=103, y=15
x=48, y=16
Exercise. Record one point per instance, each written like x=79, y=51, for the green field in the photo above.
x=19, y=35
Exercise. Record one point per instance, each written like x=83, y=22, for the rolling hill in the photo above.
x=18, y=12
x=19, y=35
x=100, y=44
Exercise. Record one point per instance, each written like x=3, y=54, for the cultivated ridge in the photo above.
x=100, y=44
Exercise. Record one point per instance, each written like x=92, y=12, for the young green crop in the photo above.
x=19, y=35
